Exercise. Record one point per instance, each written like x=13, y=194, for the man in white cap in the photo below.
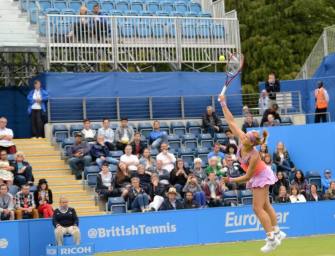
x=171, y=202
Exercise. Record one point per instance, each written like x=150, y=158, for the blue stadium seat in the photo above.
x=202, y=151
x=187, y=155
x=191, y=14
x=132, y=125
x=90, y=4
x=218, y=30
x=74, y=128
x=131, y=13
x=146, y=13
x=107, y=5
x=177, y=14
x=206, y=140
x=246, y=197
x=220, y=138
x=154, y=152
x=137, y=7
x=175, y=145
x=60, y=132
x=116, y=153
x=231, y=197
x=173, y=137
x=152, y=7
x=193, y=127
x=195, y=7
x=167, y=7
x=127, y=29
x=204, y=30
x=164, y=126
x=68, y=11
x=116, y=205
x=44, y=4
x=92, y=179
x=286, y=120
x=145, y=128
x=178, y=127
x=205, y=15
x=314, y=177
x=162, y=13
x=114, y=126
x=60, y=4
x=115, y=13
x=93, y=169
x=158, y=30
x=96, y=126
x=122, y=6
x=113, y=168
x=51, y=11
x=75, y=5
x=188, y=137
x=181, y=7
x=68, y=142
x=143, y=30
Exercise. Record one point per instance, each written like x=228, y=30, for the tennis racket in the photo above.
x=233, y=68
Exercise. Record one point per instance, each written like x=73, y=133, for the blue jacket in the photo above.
x=44, y=95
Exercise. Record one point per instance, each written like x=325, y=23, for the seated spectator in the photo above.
x=6, y=137
x=138, y=199
x=65, y=221
x=124, y=134
x=144, y=176
x=249, y=122
x=22, y=171
x=166, y=157
x=179, y=175
x=88, y=133
x=137, y=145
x=296, y=196
x=263, y=102
x=171, y=202
x=268, y=161
x=282, y=181
x=148, y=161
x=214, y=166
x=157, y=137
x=313, y=194
x=129, y=159
x=107, y=133
x=273, y=111
x=282, y=159
x=81, y=28
x=300, y=182
x=25, y=204
x=189, y=202
x=193, y=186
x=100, y=152
x=231, y=150
x=156, y=192
x=233, y=170
x=263, y=151
x=330, y=192
x=272, y=86
x=271, y=121
x=231, y=139
x=6, y=204
x=213, y=191
x=282, y=196
x=43, y=199
x=198, y=171
x=245, y=110
x=211, y=122
x=216, y=152
x=105, y=184
x=163, y=174
x=326, y=180
x=6, y=169
x=79, y=155
x=122, y=177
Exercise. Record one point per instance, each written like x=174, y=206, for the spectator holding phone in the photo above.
x=166, y=157
x=43, y=199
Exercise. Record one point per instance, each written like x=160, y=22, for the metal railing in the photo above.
x=149, y=108
x=324, y=46
x=128, y=39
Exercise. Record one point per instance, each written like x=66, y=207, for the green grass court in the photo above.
x=307, y=246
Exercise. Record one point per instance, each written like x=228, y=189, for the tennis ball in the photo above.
x=222, y=58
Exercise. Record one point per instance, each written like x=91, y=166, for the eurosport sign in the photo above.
x=169, y=228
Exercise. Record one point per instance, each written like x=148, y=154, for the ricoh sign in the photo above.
x=80, y=250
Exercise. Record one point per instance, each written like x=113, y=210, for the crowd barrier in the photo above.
x=170, y=228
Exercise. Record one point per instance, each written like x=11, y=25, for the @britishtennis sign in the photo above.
x=77, y=250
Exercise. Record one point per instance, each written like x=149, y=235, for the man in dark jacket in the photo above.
x=65, y=221
x=137, y=145
x=100, y=152
x=211, y=122
x=171, y=203
x=22, y=171
x=189, y=202
x=273, y=111
x=272, y=86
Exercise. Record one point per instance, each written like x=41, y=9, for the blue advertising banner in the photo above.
x=80, y=250
x=170, y=228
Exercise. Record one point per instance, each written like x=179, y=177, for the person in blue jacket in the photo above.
x=37, y=107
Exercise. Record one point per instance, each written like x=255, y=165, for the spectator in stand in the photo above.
x=282, y=181
x=330, y=192
x=129, y=159
x=148, y=161
x=179, y=175
x=81, y=28
x=124, y=134
x=65, y=221
x=216, y=152
x=171, y=202
x=300, y=182
x=263, y=102
x=122, y=177
x=321, y=103
x=264, y=150
x=25, y=204
x=138, y=199
x=213, y=191
x=198, y=171
x=156, y=192
x=107, y=133
x=189, y=202
x=37, y=99
x=231, y=150
x=22, y=171
x=233, y=170
x=296, y=196
x=166, y=157
x=282, y=159
x=271, y=121
x=137, y=145
x=193, y=186
x=249, y=122
x=214, y=166
x=157, y=137
x=88, y=133
x=6, y=169
x=313, y=194
x=43, y=199
x=100, y=152
x=6, y=137
x=163, y=174
x=6, y=204
x=268, y=161
x=326, y=180
x=79, y=155
x=144, y=176
x=273, y=111
x=231, y=139
x=211, y=122
x=272, y=86
x=246, y=110
x=282, y=197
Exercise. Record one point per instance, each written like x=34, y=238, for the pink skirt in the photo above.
x=262, y=179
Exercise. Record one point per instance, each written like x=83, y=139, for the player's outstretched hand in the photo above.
x=222, y=98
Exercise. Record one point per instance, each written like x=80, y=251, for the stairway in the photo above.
x=46, y=163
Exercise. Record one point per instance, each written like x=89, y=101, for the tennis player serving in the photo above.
x=258, y=177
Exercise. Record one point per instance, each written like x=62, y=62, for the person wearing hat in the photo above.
x=326, y=179
x=43, y=199
x=124, y=134
x=79, y=155
x=321, y=103
x=171, y=202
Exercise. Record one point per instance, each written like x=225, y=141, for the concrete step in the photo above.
x=58, y=180
x=41, y=154
x=39, y=159
x=68, y=187
x=41, y=140
x=36, y=146
x=70, y=192
x=76, y=197
x=51, y=165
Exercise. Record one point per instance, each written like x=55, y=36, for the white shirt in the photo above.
x=131, y=161
x=6, y=143
x=90, y=133
x=37, y=96
x=107, y=133
x=106, y=179
x=298, y=199
x=168, y=160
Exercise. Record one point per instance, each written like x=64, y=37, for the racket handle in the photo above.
x=224, y=89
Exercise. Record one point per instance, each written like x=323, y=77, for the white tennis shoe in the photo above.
x=270, y=245
x=280, y=236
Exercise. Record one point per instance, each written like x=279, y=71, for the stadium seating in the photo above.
x=116, y=205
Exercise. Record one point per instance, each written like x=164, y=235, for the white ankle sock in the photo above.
x=276, y=229
x=270, y=235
